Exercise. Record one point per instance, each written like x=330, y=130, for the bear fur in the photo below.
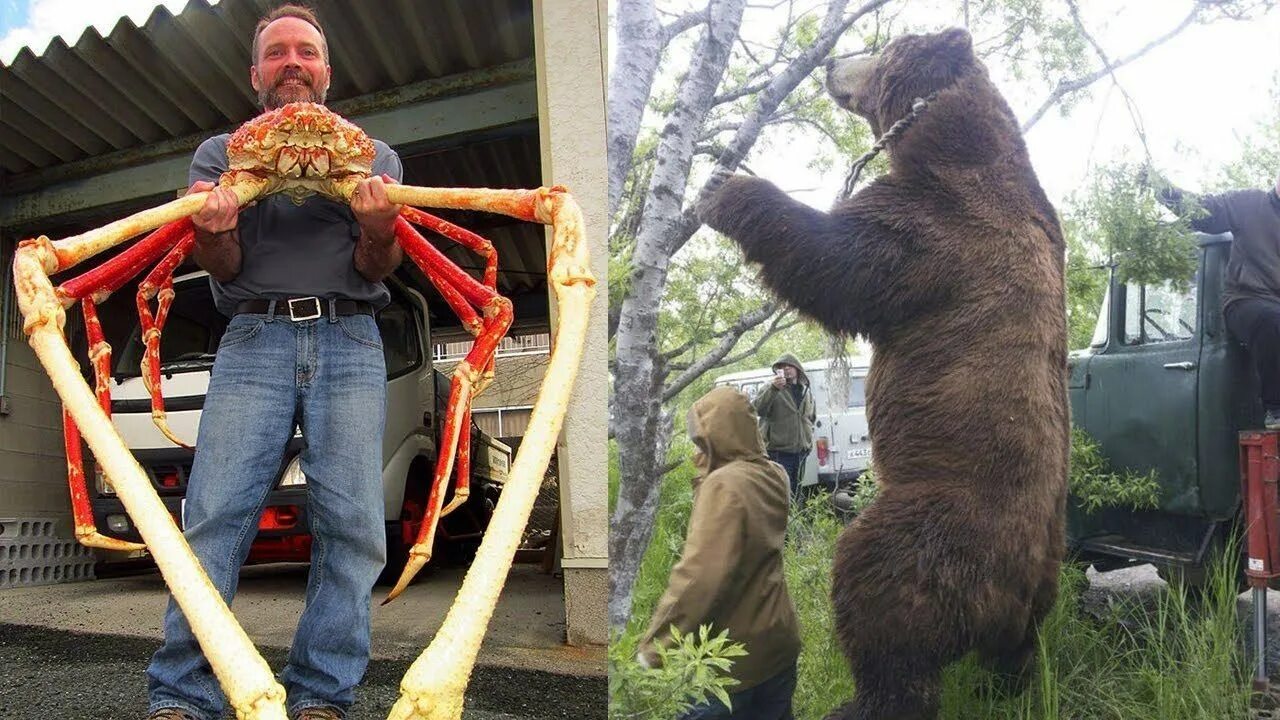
x=951, y=265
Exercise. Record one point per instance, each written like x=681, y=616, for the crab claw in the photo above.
x=419, y=554
x=94, y=539
x=162, y=424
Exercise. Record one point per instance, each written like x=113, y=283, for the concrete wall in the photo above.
x=569, y=40
x=33, y=471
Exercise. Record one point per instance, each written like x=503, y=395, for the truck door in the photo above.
x=1140, y=400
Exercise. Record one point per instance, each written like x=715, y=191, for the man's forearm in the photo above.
x=377, y=255
x=218, y=254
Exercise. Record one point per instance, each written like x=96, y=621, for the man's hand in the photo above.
x=377, y=253
x=779, y=381
x=376, y=214
x=217, y=247
x=220, y=211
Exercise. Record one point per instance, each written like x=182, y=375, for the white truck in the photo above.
x=841, y=446
x=416, y=397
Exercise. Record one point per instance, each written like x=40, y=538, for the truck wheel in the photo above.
x=412, y=510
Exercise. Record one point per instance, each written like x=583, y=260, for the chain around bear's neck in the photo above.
x=917, y=108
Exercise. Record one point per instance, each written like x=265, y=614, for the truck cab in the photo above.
x=1164, y=387
x=416, y=397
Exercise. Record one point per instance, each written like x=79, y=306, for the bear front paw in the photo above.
x=721, y=208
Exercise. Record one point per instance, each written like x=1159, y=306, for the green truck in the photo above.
x=1164, y=387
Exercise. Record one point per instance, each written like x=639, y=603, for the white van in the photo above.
x=841, y=446
x=416, y=397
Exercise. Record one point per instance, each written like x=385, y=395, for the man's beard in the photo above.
x=278, y=94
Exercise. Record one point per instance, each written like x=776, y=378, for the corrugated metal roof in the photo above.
x=184, y=74
x=155, y=91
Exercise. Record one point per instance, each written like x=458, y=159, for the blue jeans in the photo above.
x=330, y=376
x=770, y=700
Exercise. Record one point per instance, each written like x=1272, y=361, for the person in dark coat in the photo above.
x=787, y=413
x=1251, y=297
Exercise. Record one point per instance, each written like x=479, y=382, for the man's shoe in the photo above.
x=1272, y=420
x=171, y=714
x=326, y=712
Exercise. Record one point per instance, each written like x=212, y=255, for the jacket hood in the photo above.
x=722, y=425
x=793, y=361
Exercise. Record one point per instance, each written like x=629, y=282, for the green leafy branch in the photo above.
x=693, y=668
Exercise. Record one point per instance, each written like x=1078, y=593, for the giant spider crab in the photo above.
x=303, y=149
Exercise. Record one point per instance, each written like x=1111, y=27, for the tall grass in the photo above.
x=1164, y=658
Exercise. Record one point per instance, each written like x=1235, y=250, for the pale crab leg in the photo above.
x=455, y=439
x=159, y=280
x=70, y=251
x=434, y=686
x=246, y=679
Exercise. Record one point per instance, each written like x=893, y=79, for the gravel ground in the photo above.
x=42, y=672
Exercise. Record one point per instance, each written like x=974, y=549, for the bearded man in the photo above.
x=301, y=284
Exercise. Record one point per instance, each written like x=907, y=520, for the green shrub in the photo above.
x=1096, y=485
x=693, y=669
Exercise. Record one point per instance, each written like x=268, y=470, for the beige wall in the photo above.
x=569, y=48
x=33, y=471
x=515, y=383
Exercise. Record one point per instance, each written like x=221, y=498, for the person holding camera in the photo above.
x=787, y=413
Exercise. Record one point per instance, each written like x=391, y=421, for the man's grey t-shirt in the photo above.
x=290, y=250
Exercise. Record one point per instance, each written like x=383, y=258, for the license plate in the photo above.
x=856, y=453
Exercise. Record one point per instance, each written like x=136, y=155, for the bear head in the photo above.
x=881, y=88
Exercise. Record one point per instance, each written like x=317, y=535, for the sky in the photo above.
x=1197, y=94
x=36, y=22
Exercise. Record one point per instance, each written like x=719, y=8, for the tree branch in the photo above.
x=1066, y=87
x=688, y=21
x=834, y=24
x=727, y=342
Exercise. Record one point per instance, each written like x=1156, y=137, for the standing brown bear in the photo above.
x=952, y=266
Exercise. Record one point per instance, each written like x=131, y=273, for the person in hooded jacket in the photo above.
x=787, y=413
x=730, y=573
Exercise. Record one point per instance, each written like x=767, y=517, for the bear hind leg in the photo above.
x=895, y=690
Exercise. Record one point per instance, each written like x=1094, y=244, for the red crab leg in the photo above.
x=108, y=277
x=497, y=315
x=159, y=279
x=90, y=288
x=476, y=244
x=461, y=235
x=86, y=530
x=100, y=355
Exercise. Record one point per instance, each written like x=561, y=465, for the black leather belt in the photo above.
x=306, y=308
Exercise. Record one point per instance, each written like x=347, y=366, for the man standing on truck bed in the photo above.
x=787, y=413
x=301, y=283
x=1251, y=298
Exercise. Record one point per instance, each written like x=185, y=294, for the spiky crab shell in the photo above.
x=301, y=148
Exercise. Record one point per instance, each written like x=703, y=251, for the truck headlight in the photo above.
x=293, y=476
x=100, y=481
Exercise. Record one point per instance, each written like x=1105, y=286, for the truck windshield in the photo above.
x=190, y=335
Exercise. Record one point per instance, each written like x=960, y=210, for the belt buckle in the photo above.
x=293, y=308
